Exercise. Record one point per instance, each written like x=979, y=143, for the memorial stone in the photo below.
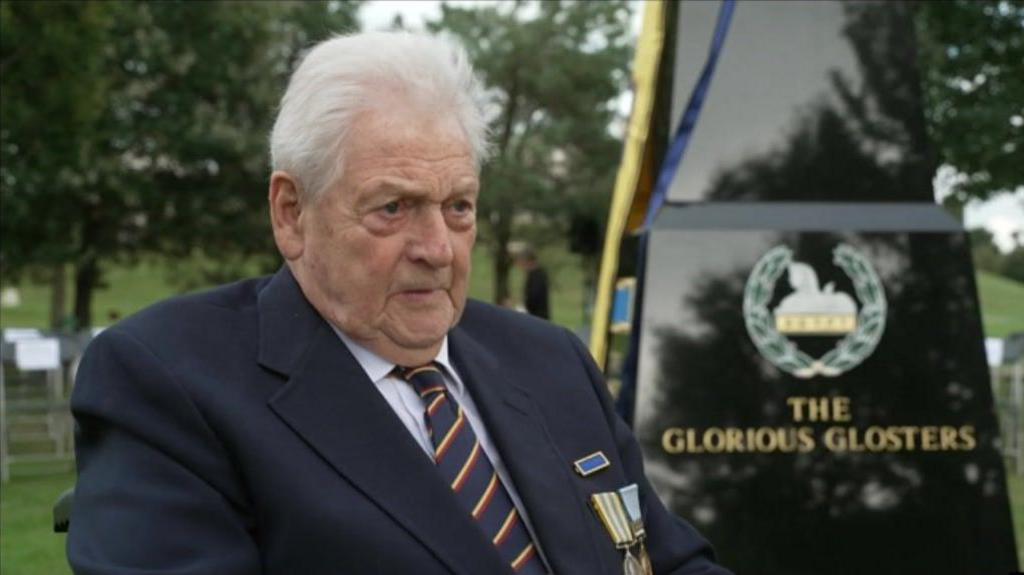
x=812, y=389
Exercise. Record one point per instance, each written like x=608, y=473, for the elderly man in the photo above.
x=353, y=413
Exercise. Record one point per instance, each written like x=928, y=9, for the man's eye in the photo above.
x=462, y=206
x=392, y=208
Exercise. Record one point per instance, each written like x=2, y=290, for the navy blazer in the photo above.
x=231, y=432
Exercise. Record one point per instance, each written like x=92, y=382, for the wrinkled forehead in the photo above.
x=404, y=131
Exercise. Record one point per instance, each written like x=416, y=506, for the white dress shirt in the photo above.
x=408, y=406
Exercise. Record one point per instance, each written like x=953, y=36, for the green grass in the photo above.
x=28, y=545
x=1002, y=304
x=129, y=289
x=564, y=276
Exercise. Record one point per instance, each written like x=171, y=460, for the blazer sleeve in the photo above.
x=675, y=547
x=156, y=492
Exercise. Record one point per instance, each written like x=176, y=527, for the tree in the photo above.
x=157, y=145
x=50, y=104
x=971, y=54
x=555, y=70
x=984, y=252
x=1013, y=264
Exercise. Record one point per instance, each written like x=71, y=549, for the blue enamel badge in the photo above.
x=591, y=464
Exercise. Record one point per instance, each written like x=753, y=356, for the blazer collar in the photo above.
x=288, y=323
x=330, y=402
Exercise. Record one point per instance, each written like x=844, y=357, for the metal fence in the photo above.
x=1008, y=390
x=36, y=429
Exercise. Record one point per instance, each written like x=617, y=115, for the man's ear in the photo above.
x=285, y=209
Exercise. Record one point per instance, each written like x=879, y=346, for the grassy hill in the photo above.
x=130, y=289
x=1002, y=304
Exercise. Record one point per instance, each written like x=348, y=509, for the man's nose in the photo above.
x=431, y=242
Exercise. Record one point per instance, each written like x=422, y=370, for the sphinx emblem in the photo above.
x=811, y=310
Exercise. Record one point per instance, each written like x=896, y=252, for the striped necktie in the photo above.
x=463, y=464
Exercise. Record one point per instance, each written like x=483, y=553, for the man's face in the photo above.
x=386, y=251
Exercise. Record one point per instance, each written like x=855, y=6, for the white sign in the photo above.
x=37, y=354
x=994, y=351
x=20, y=333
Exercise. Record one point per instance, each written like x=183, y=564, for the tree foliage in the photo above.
x=984, y=252
x=135, y=128
x=1013, y=264
x=987, y=257
x=972, y=54
x=52, y=93
x=555, y=70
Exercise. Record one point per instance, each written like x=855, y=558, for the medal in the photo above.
x=613, y=516
x=630, y=496
x=619, y=512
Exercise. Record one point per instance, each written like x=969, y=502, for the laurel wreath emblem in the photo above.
x=850, y=351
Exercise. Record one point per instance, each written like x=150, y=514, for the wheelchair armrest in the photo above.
x=62, y=511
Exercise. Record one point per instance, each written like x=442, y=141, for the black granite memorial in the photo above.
x=812, y=391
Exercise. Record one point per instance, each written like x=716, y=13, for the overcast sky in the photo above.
x=1002, y=216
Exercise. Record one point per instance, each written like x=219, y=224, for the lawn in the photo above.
x=129, y=289
x=1002, y=304
x=28, y=545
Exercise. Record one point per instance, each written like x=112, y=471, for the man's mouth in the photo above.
x=420, y=293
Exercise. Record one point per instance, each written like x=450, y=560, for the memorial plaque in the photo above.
x=855, y=435
x=812, y=391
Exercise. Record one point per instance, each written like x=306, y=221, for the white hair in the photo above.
x=347, y=75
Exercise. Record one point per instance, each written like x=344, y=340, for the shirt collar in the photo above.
x=377, y=368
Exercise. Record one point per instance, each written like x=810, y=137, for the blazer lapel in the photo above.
x=541, y=475
x=331, y=403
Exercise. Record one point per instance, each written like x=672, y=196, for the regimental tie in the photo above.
x=464, y=465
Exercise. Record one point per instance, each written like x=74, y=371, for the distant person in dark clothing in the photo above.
x=535, y=289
